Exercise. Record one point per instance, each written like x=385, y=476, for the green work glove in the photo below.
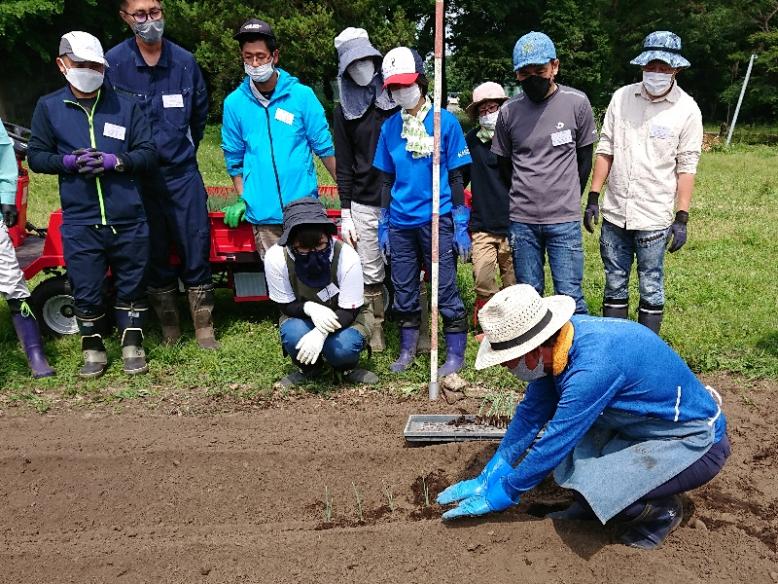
x=234, y=214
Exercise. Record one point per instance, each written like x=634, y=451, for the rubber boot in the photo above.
x=30, y=337
x=423, y=346
x=164, y=303
x=304, y=374
x=357, y=375
x=201, y=301
x=455, y=353
x=651, y=316
x=130, y=319
x=92, y=329
x=615, y=308
x=479, y=304
x=374, y=296
x=658, y=520
x=409, y=339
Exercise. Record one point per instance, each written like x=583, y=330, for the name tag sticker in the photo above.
x=114, y=131
x=657, y=131
x=173, y=100
x=563, y=137
x=284, y=116
x=329, y=292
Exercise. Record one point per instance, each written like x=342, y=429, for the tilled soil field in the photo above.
x=326, y=490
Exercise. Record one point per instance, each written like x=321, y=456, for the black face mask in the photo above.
x=536, y=87
x=313, y=269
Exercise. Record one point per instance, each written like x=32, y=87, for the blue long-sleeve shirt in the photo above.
x=612, y=364
x=172, y=94
x=9, y=174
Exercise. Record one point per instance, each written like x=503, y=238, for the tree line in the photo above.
x=595, y=41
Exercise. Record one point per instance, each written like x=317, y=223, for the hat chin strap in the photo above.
x=523, y=338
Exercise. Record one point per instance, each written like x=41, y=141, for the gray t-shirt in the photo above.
x=541, y=140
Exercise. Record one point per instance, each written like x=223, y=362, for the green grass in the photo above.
x=722, y=301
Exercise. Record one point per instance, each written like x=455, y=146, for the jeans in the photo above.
x=341, y=349
x=564, y=244
x=618, y=247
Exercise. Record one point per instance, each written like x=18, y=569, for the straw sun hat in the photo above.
x=517, y=320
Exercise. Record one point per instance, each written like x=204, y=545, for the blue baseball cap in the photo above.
x=661, y=45
x=534, y=48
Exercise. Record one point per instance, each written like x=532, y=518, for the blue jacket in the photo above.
x=60, y=125
x=272, y=147
x=613, y=364
x=172, y=94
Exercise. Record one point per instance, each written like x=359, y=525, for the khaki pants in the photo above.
x=265, y=237
x=490, y=252
x=365, y=220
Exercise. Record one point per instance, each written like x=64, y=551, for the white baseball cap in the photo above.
x=82, y=46
x=401, y=66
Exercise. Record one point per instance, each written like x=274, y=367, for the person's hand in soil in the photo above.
x=495, y=499
x=496, y=468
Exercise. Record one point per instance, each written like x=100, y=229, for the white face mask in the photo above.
x=657, y=83
x=84, y=79
x=362, y=72
x=407, y=97
x=489, y=121
x=259, y=74
x=525, y=373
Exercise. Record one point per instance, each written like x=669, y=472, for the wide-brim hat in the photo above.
x=401, y=66
x=353, y=44
x=662, y=45
x=489, y=91
x=82, y=47
x=517, y=320
x=305, y=211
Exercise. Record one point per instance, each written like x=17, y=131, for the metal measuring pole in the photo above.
x=740, y=99
x=434, y=389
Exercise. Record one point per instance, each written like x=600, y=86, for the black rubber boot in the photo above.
x=93, y=329
x=651, y=317
x=359, y=376
x=165, y=305
x=305, y=374
x=130, y=318
x=650, y=529
x=615, y=308
x=30, y=337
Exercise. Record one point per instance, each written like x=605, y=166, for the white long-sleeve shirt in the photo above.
x=651, y=142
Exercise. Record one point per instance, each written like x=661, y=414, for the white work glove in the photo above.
x=323, y=318
x=309, y=347
x=347, y=229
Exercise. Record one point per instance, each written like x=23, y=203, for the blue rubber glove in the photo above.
x=495, y=499
x=383, y=235
x=462, y=242
x=495, y=469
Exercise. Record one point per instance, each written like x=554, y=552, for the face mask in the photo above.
x=150, y=32
x=259, y=74
x=83, y=79
x=657, y=83
x=313, y=269
x=407, y=97
x=489, y=121
x=362, y=72
x=525, y=373
x=536, y=88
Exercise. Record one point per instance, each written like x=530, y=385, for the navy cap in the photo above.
x=254, y=27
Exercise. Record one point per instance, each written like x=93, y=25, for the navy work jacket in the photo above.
x=61, y=125
x=172, y=94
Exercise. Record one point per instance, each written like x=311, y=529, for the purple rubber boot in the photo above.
x=409, y=338
x=30, y=336
x=455, y=353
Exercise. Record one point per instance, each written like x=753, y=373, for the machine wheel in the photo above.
x=54, y=307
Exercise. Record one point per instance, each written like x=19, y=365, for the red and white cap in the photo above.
x=401, y=66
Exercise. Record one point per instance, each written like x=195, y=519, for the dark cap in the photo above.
x=254, y=27
x=305, y=211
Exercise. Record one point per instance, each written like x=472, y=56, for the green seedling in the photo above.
x=360, y=507
x=327, y=505
x=389, y=497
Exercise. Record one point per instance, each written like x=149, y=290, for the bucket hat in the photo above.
x=353, y=44
x=82, y=47
x=534, y=48
x=401, y=66
x=489, y=91
x=662, y=45
x=305, y=211
x=517, y=320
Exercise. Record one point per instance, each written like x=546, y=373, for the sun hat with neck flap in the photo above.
x=305, y=211
x=517, y=320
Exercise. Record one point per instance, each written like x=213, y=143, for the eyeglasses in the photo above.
x=140, y=17
x=259, y=59
x=488, y=109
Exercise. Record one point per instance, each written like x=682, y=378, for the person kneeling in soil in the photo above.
x=628, y=427
x=318, y=284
